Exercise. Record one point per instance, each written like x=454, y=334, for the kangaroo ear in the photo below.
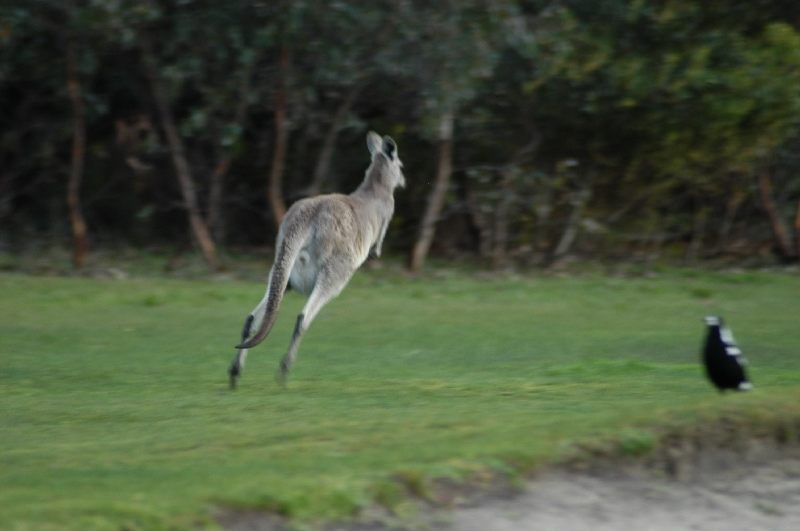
x=373, y=143
x=389, y=147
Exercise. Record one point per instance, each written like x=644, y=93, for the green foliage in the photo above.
x=116, y=411
x=672, y=106
x=697, y=101
x=468, y=37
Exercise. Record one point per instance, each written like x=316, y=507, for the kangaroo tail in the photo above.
x=288, y=250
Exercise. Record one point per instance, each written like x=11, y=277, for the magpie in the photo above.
x=723, y=359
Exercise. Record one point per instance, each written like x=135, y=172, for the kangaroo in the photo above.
x=321, y=242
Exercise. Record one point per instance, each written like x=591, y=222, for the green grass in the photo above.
x=115, y=410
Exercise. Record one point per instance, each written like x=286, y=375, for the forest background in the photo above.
x=533, y=132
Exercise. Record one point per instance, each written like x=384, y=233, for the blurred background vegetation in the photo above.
x=532, y=131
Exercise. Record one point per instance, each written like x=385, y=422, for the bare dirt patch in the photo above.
x=730, y=492
x=714, y=478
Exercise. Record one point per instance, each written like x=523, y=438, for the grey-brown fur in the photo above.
x=322, y=241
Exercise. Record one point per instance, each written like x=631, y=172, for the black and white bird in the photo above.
x=723, y=359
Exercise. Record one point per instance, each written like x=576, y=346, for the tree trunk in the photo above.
x=6, y=195
x=797, y=230
x=579, y=200
x=507, y=190
x=217, y=184
x=177, y=151
x=275, y=187
x=731, y=209
x=501, y=218
x=694, y=248
x=80, y=238
x=215, y=218
x=437, y=196
x=779, y=230
x=543, y=210
x=480, y=222
x=329, y=143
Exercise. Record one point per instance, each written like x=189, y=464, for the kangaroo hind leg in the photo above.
x=235, y=370
x=326, y=288
x=251, y=323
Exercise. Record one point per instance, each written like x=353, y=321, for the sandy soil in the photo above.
x=756, y=487
x=749, y=496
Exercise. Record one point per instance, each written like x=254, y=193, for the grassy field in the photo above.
x=115, y=411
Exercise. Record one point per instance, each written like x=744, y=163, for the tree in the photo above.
x=183, y=171
x=281, y=122
x=334, y=66
x=449, y=73
x=230, y=43
x=169, y=71
x=668, y=105
x=80, y=237
x=554, y=127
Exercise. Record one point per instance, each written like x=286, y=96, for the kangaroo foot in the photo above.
x=282, y=375
x=234, y=372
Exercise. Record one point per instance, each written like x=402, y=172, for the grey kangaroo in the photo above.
x=321, y=242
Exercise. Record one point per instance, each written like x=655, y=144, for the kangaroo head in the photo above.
x=387, y=149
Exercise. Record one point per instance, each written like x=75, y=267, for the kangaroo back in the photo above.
x=293, y=237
